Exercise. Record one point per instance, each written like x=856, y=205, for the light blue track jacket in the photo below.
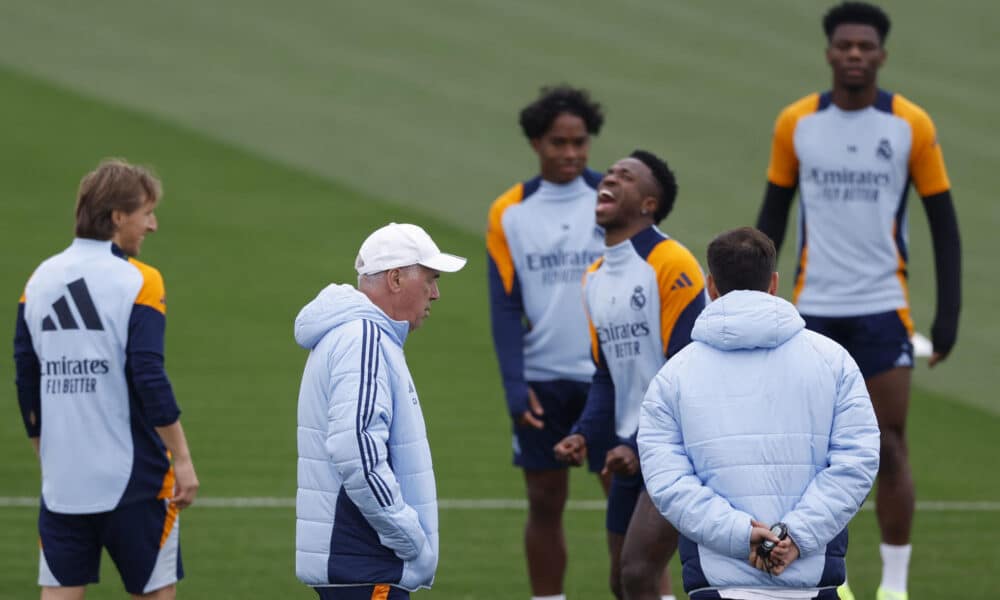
x=366, y=508
x=758, y=418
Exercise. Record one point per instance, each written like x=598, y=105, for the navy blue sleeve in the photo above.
x=144, y=368
x=507, y=317
x=773, y=217
x=28, y=377
x=597, y=421
x=947, y=242
x=680, y=336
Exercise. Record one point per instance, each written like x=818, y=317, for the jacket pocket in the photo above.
x=356, y=554
x=419, y=572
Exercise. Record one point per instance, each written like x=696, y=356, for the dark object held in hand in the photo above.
x=765, y=547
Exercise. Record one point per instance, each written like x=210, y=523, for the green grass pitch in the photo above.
x=285, y=134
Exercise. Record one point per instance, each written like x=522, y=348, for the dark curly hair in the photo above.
x=857, y=13
x=537, y=117
x=666, y=183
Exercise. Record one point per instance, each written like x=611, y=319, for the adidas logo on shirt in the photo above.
x=85, y=308
x=682, y=282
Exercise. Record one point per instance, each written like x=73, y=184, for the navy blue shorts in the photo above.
x=563, y=402
x=142, y=538
x=622, y=499
x=878, y=342
x=362, y=592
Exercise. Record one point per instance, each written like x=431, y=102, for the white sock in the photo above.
x=555, y=597
x=668, y=597
x=895, y=566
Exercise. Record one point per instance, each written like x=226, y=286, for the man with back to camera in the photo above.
x=366, y=508
x=540, y=238
x=757, y=422
x=642, y=298
x=96, y=401
x=852, y=152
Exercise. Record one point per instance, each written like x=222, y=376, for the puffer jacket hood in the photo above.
x=339, y=304
x=758, y=418
x=744, y=320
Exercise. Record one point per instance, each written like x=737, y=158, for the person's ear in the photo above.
x=713, y=292
x=649, y=205
x=773, y=287
x=393, y=279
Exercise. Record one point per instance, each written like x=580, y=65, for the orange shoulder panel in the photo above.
x=783, y=169
x=153, y=293
x=680, y=280
x=496, y=239
x=24, y=294
x=926, y=160
x=595, y=344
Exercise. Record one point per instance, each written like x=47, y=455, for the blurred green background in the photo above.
x=285, y=132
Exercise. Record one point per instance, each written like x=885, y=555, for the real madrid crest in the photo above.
x=638, y=298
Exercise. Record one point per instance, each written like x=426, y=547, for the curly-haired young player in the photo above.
x=540, y=238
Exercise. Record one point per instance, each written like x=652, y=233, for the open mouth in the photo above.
x=605, y=201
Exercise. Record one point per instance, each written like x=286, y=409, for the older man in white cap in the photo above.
x=366, y=506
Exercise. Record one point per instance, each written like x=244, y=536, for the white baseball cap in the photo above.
x=402, y=245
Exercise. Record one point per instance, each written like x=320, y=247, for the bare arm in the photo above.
x=186, y=484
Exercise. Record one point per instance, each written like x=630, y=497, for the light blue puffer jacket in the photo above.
x=366, y=508
x=758, y=418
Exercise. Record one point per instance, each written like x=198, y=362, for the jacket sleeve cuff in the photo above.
x=517, y=398
x=800, y=533
x=739, y=538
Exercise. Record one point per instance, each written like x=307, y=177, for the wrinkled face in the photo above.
x=418, y=288
x=131, y=228
x=626, y=190
x=562, y=150
x=855, y=54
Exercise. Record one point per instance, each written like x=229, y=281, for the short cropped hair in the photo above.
x=113, y=185
x=666, y=183
x=537, y=117
x=857, y=13
x=741, y=259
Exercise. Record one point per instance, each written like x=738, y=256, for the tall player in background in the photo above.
x=852, y=153
x=642, y=299
x=96, y=400
x=540, y=238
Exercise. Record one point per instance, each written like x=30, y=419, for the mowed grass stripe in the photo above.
x=243, y=243
x=415, y=104
x=501, y=504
